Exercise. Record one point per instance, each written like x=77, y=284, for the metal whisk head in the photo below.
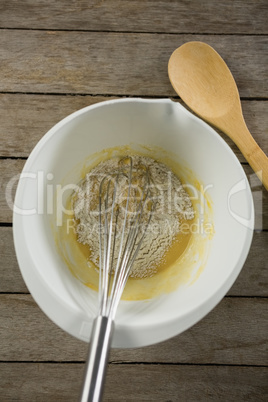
x=125, y=211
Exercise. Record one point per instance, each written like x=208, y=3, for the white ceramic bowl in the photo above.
x=158, y=123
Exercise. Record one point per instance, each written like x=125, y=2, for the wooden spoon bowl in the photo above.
x=204, y=82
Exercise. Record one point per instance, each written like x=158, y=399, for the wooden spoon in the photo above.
x=204, y=82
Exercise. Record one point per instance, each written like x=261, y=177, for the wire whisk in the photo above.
x=125, y=210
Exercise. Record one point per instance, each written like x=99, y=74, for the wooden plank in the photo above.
x=117, y=64
x=253, y=280
x=143, y=16
x=10, y=169
x=9, y=176
x=26, y=118
x=227, y=335
x=10, y=276
x=188, y=383
x=61, y=382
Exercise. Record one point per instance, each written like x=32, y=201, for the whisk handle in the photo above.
x=96, y=364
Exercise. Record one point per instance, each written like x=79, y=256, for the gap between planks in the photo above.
x=119, y=96
x=2, y=28
x=123, y=363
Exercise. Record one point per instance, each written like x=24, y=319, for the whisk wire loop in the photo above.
x=117, y=270
x=113, y=271
x=127, y=263
x=108, y=243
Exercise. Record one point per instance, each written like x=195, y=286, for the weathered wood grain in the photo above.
x=117, y=64
x=11, y=168
x=144, y=16
x=26, y=118
x=227, y=335
x=10, y=276
x=87, y=55
x=135, y=383
x=252, y=281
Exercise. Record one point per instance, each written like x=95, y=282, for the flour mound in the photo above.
x=172, y=203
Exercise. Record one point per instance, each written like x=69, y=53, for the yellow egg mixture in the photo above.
x=183, y=260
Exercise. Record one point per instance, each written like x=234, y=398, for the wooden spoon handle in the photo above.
x=252, y=152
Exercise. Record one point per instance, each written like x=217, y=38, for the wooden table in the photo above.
x=59, y=56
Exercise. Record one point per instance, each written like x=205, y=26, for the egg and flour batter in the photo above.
x=173, y=207
x=175, y=248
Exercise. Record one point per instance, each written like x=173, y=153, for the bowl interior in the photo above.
x=158, y=123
